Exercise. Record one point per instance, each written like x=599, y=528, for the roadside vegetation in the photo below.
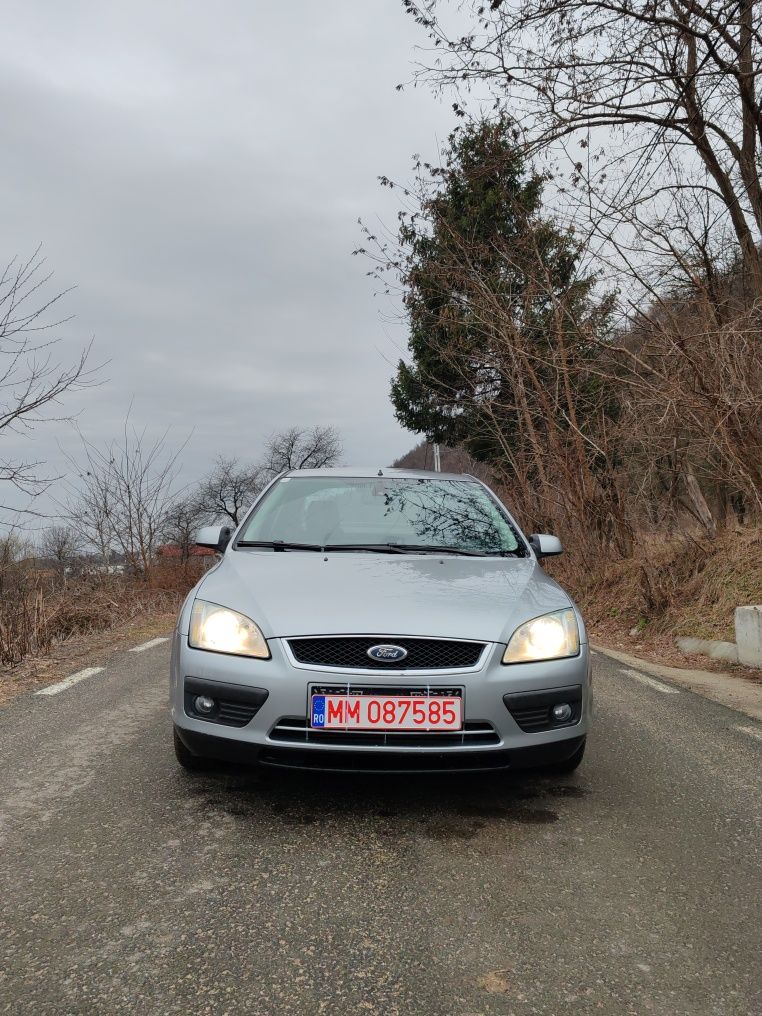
x=123, y=547
x=580, y=274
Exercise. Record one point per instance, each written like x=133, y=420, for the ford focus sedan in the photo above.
x=380, y=620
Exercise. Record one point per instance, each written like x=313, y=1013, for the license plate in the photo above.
x=386, y=712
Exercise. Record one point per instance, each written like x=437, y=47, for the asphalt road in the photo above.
x=128, y=886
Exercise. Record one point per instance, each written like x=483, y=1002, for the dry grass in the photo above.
x=37, y=615
x=671, y=587
x=93, y=649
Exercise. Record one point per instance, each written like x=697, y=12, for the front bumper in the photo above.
x=276, y=693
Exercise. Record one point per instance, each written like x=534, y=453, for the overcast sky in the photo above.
x=197, y=171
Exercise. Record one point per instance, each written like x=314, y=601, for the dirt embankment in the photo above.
x=671, y=587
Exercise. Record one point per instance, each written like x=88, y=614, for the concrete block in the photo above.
x=726, y=651
x=712, y=648
x=691, y=645
x=749, y=635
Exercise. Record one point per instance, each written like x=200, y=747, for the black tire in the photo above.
x=190, y=762
x=568, y=765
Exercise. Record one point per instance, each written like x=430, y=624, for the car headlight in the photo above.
x=222, y=630
x=549, y=637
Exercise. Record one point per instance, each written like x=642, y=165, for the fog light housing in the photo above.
x=203, y=704
x=562, y=712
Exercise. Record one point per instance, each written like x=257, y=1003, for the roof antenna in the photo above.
x=380, y=473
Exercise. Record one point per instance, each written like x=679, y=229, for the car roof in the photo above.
x=370, y=472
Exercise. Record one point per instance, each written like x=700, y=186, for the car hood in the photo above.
x=308, y=593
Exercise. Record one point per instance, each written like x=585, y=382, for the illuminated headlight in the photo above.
x=222, y=630
x=549, y=637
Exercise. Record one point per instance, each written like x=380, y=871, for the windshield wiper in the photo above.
x=280, y=545
x=420, y=548
x=516, y=552
x=424, y=548
x=371, y=548
x=378, y=548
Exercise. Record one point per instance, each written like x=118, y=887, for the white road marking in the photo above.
x=752, y=732
x=72, y=679
x=651, y=682
x=148, y=645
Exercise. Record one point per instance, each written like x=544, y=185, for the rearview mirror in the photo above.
x=215, y=537
x=545, y=545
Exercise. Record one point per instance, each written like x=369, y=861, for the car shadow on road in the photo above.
x=441, y=806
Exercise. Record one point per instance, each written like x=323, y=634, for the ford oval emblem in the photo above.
x=387, y=654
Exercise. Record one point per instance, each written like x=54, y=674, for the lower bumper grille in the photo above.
x=234, y=714
x=294, y=730
x=234, y=705
x=391, y=762
x=532, y=710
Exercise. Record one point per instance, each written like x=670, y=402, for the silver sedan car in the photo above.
x=380, y=620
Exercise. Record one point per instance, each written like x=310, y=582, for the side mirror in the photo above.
x=215, y=537
x=545, y=545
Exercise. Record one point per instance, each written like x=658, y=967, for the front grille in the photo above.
x=351, y=653
x=294, y=730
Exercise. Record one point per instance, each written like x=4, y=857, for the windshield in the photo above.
x=421, y=514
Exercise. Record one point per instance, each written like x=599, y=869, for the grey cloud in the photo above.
x=197, y=171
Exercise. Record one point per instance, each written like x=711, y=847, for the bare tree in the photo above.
x=90, y=504
x=184, y=516
x=61, y=544
x=32, y=381
x=122, y=492
x=642, y=107
x=302, y=448
x=228, y=490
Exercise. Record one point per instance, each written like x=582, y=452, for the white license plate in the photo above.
x=386, y=712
